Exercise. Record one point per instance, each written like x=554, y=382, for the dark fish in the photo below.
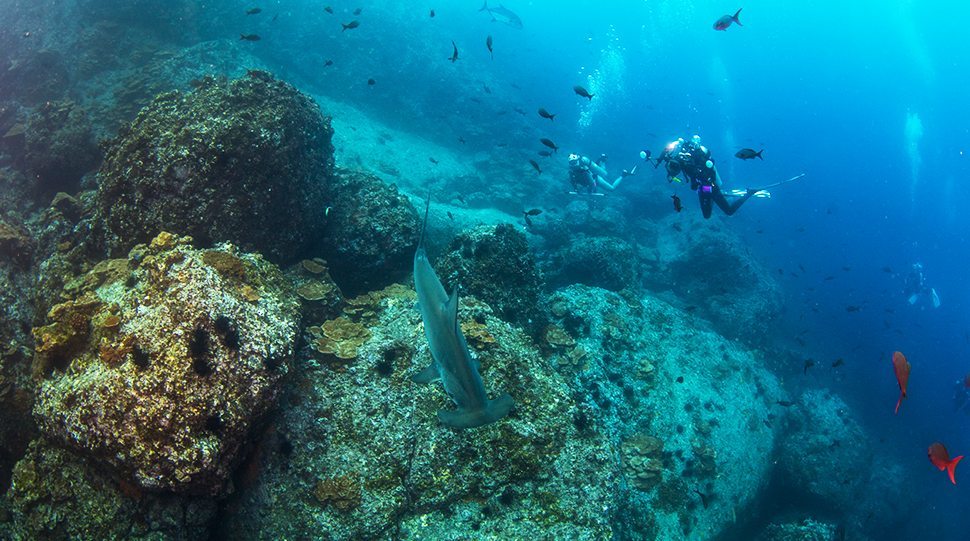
x=846, y=269
x=454, y=54
x=450, y=216
x=784, y=403
x=460, y=198
x=275, y=17
x=887, y=270
x=828, y=278
x=546, y=114
x=852, y=308
x=328, y=63
x=767, y=423
x=677, y=227
x=583, y=92
x=350, y=26
x=432, y=160
x=677, y=205
x=533, y=212
x=749, y=154
x=432, y=14
x=808, y=364
x=371, y=82
x=253, y=11
x=837, y=363
x=328, y=9
x=488, y=43
x=704, y=497
x=519, y=110
x=357, y=11
x=724, y=22
x=488, y=91
x=249, y=37
x=549, y=144
x=461, y=139
x=535, y=166
x=528, y=222
x=545, y=153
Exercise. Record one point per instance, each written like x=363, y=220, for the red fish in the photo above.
x=724, y=22
x=941, y=459
x=901, y=367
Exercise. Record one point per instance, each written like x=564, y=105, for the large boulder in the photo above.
x=711, y=269
x=494, y=264
x=58, y=495
x=372, y=232
x=245, y=161
x=159, y=366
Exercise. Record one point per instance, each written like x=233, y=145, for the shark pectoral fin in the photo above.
x=494, y=410
x=452, y=308
x=427, y=375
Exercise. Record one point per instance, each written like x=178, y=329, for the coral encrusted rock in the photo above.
x=372, y=231
x=494, y=264
x=245, y=161
x=161, y=365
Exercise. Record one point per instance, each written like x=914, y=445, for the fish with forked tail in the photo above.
x=725, y=21
x=350, y=26
x=749, y=154
x=580, y=91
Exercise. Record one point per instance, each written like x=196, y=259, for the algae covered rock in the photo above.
x=606, y=262
x=60, y=146
x=494, y=264
x=713, y=270
x=367, y=458
x=244, y=161
x=372, y=232
x=160, y=366
x=57, y=495
x=825, y=456
x=685, y=410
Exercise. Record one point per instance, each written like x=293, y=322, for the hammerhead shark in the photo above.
x=452, y=361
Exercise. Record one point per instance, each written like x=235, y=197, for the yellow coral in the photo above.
x=341, y=337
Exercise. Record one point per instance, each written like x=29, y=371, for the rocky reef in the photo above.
x=245, y=161
x=56, y=494
x=685, y=409
x=360, y=454
x=712, y=270
x=160, y=366
x=494, y=263
x=371, y=232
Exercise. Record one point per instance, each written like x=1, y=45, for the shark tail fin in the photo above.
x=494, y=410
x=484, y=6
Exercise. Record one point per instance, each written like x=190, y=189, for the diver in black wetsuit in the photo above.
x=694, y=161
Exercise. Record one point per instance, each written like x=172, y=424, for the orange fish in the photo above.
x=941, y=459
x=901, y=367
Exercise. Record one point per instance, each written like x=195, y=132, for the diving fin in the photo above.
x=935, y=298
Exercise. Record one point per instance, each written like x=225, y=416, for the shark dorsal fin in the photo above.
x=452, y=307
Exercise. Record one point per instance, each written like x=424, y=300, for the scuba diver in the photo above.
x=915, y=287
x=586, y=175
x=694, y=161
